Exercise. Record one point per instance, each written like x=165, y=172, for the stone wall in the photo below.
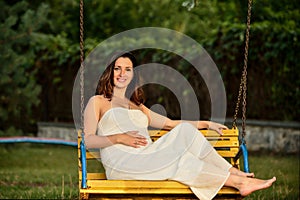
x=260, y=135
x=275, y=139
x=64, y=131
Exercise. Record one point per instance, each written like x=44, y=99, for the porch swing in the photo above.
x=230, y=146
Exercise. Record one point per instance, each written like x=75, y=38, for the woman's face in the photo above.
x=123, y=72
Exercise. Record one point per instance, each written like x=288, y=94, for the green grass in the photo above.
x=38, y=172
x=32, y=171
x=284, y=167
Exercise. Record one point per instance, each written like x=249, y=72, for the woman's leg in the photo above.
x=248, y=185
x=199, y=146
x=238, y=172
x=214, y=158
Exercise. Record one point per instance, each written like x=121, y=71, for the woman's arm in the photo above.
x=162, y=122
x=130, y=138
x=91, y=118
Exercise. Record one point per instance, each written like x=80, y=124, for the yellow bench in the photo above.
x=93, y=182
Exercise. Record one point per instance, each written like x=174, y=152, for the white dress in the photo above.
x=183, y=154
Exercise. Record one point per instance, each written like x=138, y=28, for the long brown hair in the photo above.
x=106, y=85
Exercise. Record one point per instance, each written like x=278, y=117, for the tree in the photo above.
x=19, y=91
x=39, y=46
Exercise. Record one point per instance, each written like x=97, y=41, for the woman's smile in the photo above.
x=122, y=80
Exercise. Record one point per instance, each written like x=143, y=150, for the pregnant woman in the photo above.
x=117, y=121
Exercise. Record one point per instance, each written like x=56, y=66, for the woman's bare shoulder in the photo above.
x=98, y=100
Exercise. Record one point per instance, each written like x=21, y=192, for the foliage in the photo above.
x=35, y=59
x=272, y=63
x=19, y=91
x=220, y=26
x=40, y=52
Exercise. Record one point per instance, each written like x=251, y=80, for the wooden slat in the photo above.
x=227, y=138
x=230, y=142
x=92, y=155
x=128, y=191
x=144, y=187
x=228, y=132
x=93, y=176
x=231, y=152
x=228, y=190
x=206, y=133
x=224, y=143
x=141, y=187
x=228, y=154
x=96, y=176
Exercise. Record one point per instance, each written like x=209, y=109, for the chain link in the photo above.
x=81, y=65
x=243, y=84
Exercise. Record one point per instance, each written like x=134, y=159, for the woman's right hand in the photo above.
x=131, y=138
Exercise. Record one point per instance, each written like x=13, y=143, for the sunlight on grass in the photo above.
x=50, y=172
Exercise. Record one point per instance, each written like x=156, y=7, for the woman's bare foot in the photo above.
x=253, y=184
x=237, y=172
x=248, y=185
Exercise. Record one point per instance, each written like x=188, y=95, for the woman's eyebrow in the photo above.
x=125, y=66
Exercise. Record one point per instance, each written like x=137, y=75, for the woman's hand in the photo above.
x=131, y=138
x=217, y=127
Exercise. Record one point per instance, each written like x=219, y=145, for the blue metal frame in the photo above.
x=243, y=148
x=7, y=140
x=83, y=162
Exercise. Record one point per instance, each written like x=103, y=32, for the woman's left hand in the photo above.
x=217, y=127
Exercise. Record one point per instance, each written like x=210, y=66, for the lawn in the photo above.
x=36, y=171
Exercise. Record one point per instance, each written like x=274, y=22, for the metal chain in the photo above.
x=81, y=66
x=243, y=84
x=237, y=106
